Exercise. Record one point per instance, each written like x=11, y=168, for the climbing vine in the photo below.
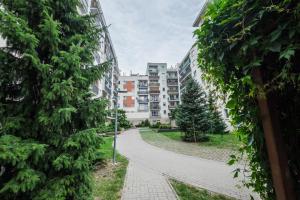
x=237, y=37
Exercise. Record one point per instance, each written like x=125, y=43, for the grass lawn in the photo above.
x=109, y=179
x=187, y=192
x=217, y=140
x=217, y=149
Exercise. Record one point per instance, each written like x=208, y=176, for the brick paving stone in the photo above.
x=145, y=184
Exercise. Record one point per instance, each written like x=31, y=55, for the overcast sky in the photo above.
x=150, y=30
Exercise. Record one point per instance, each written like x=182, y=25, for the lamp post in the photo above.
x=116, y=124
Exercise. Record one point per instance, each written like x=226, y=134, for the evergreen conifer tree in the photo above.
x=192, y=115
x=217, y=124
x=48, y=117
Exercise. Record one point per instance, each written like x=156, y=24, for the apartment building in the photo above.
x=152, y=96
x=136, y=99
x=188, y=68
x=105, y=87
x=173, y=89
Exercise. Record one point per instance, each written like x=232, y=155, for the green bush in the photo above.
x=143, y=123
x=156, y=125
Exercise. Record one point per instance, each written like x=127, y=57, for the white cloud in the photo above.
x=150, y=30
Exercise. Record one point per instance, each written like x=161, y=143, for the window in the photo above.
x=164, y=96
x=164, y=104
x=164, y=89
x=165, y=112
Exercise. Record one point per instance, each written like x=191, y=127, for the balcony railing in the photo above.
x=172, y=91
x=172, y=77
x=154, y=106
x=172, y=83
x=142, y=86
x=143, y=100
x=155, y=116
x=143, y=110
x=154, y=100
x=174, y=99
x=172, y=106
x=143, y=92
x=156, y=77
x=154, y=91
x=154, y=84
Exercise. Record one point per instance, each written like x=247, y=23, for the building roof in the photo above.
x=198, y=19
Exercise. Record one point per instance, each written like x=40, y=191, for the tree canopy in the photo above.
x=236, y=39
x=48, y=117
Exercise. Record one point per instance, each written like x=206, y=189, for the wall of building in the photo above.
x=107, y=85
x=188, y=69
x=150, y=96
x=133, y=97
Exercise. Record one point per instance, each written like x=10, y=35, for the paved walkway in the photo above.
x=149, y=166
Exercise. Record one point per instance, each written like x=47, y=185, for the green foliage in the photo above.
x=237, y=38
x=187, y=192
x=155, y=125
x=217, y=124
x=106, y=128
x=109, y=180
x=192, y=116
x=48, y=118
x=122, y=118
x=143, y=123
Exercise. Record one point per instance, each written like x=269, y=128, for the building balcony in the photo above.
x=154, y=91
x=154, y=100
x=172, y=84
x=154, y=107
x=156, y=77
x=154, y=84
x=143, y=101
x=143, y=110
x=172, y=77
x=143, y=92
x=175, y=99
x=172, y=106
x=142, y=86
x=155, y=116
x=173, y=91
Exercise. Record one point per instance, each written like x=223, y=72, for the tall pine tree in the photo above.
x=217, y=124
x=47, y=114
x=192, y=115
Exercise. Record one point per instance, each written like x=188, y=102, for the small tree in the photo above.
x=217, y=124
x=122, y=119
x=192, y=115
x=48, y=118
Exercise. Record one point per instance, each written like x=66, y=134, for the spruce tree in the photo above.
x=192, y=115
x=48, y=117
x=217, y=125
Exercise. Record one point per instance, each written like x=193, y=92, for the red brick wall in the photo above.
x=128, y=86
x=128, y=101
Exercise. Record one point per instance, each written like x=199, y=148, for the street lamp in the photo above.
x=116, y=123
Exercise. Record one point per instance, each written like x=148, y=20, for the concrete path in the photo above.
x=149, y=166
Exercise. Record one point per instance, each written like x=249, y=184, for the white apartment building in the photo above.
x=188, y=68
x=152, y=96
x=105, y=87
x=135, y=101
